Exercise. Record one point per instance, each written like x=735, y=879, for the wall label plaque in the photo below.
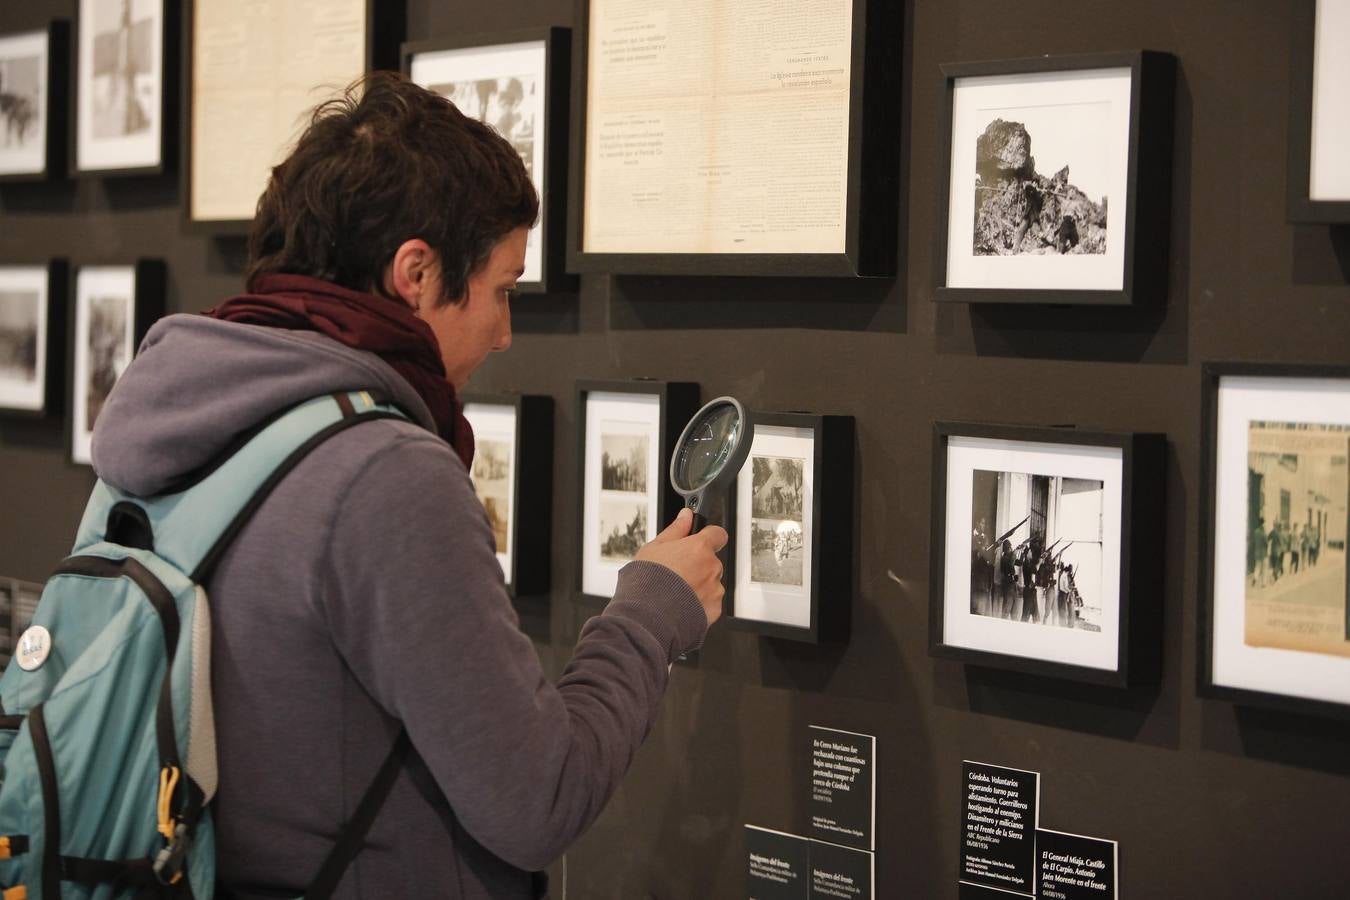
x=777, y=865
x=1073, y=867
x=843, y=787
x=840, y=872
x=998, y=827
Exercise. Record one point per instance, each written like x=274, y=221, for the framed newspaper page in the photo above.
x=253, y=73
x=516, y=82
x=741, y=139
x=32, y=339
x=1047, y=551
x=34, y=82
x=1319, y=131
x=1275, y=614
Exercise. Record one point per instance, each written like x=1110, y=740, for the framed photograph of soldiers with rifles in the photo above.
x=1047, y=550
x=1275, y=599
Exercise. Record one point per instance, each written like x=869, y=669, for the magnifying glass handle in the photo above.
x=699, y=521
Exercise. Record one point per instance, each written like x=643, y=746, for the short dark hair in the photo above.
x=386, y=162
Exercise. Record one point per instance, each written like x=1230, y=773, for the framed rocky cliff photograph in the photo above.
x=1319, y=129
x=33, y=88
x=1058, y=180
x=32, y=339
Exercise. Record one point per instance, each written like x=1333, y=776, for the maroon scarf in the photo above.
x=363, y=322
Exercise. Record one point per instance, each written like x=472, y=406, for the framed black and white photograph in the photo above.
x=1274, y=594
x=513, y=471
x=517, y=82
x=32, y=339
x=793, y=529
x=112, y=309
x=1319, y=130
x=1058, y=180
x=627, y=434
x=123, y=86
x=33, y=67
x=1047, y=550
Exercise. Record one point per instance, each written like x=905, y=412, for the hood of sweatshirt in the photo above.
x=197, y=383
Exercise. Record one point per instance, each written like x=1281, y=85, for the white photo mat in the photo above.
x=24, y=65
x=961, y=627
x=96, y=95
x=626, y=414
x=762, y=601
x=526, y=61
x=24, y=303
x=1329, y=166
x=1053, y=106
x=497, y=422
x=92, y=283
x=1234, y=664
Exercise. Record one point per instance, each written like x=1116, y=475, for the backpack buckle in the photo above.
x=168, y=865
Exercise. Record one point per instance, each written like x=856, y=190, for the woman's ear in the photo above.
x=409, y=275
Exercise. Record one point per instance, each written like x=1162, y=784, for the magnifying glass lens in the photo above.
x=708, y=447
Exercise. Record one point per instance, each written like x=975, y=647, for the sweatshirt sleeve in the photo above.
x=418, y=609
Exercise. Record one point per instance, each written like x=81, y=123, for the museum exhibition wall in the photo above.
x=1037, y=579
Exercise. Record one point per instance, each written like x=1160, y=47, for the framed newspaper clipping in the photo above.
x=517, y=82
x=744, y=139
x=34, y=82
x=1319, y=132
x=253, y=72
x=1274, y=598
x=32, y=339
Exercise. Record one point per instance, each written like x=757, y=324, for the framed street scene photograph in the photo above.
x=517, y=82
x=32, y=338
x=1274, y=594
x=627, y=433
x=792, y=529
x=1047, y=549
x=1319, y=130
x=33, y=67
x=513, y=471
x=1058, y=180
x=749, y=141
x=112, y=308
x=121, y=101
x=254, y=71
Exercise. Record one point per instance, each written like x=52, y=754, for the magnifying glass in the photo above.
x=709, y=455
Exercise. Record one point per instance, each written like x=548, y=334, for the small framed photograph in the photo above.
x=33, y=85
x=627, y=433
x=32, y=339
x=1319, y=132
x=512, y=472
x=112, y=309
x=125, y=75
x=793, y=529
x=1047, y=549
x=517, y=82
x=1275, y=601
x=1058, y=180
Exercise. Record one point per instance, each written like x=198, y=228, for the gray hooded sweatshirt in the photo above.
x=363, y=597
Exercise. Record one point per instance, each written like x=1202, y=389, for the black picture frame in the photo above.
x=1139, y=620
x=56, y=119
x=1300, y=207
x=679, y=400
x=53, y=375
x=872, y=193
x=532, y=482
x=830, y=588
x=552, y=226
x=150, y=279
x=1212, y=374
x=385, y=25
x=1148, y=199
x=168, y=132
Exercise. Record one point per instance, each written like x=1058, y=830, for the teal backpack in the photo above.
x=107, y=738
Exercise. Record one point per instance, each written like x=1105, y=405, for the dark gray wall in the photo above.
x=1206, y=800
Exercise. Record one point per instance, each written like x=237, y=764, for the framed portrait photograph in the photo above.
x=254, y=71
x=111, y=310
x=744, y=142
x=1047, y=550
x=32, y=339
x=125, y=78
x=1058, y=180
x=512, y=472
x=33, y=86
x=627, y=433
x=1275, y=601
x=792, y=529
x=1319, y=130
x=517, y=82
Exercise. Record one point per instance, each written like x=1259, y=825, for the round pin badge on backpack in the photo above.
x=34, y=646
